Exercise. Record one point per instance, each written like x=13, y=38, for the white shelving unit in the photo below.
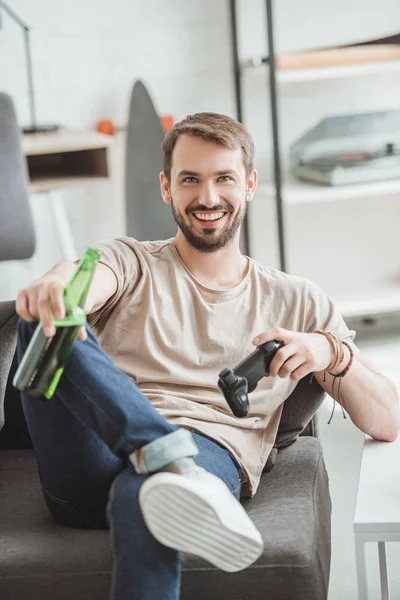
x=344, y=238
x=363, y=278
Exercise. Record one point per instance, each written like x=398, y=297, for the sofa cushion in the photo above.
x=40, y=559
x=291, y=509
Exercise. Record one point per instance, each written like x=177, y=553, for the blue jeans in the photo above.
x=83, y=439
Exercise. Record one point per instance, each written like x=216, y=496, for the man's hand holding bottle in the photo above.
x=43, y=300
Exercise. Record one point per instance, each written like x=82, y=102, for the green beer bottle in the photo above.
x=43, y=362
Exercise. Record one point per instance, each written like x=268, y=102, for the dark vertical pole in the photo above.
x=238, y=100
x=275, y=136
x=28, y=58
x=31, y=94
x=236, y=63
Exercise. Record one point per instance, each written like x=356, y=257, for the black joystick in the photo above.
x=236, y=383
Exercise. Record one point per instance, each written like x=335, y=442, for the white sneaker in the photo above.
x=195, y=512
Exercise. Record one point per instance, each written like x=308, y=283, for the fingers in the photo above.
x=22, y=306
x=289, y=362
x=56, y=295
x=301, y=372
x=82, y=334
x=40, y=301
x=278, y=333
x=292, y=367
x=32, y=304
x=295, y=359
x=278, y=366
x=44, y=312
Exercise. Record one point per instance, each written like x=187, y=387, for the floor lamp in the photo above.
x=33, y=127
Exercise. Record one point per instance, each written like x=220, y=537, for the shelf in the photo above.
x=295, y=191
x=66, y=158
x=383, y=300
x=329, y=72
x=64, y=140
x=51, y=183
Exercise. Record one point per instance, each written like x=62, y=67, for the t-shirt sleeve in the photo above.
x=323, y=314
x=120, y=256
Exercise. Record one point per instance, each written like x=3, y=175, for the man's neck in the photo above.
x=219, y=270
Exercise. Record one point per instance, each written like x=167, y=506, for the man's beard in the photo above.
x=209, y=241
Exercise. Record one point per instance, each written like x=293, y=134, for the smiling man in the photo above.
x=211, y=196
x=138, y=436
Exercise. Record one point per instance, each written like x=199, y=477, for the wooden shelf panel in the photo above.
x=64, y=140
x=57, y=182
x=332, y=63
x=337, y=72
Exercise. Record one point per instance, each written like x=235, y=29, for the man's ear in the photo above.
x=251, y=185
x=165, y=188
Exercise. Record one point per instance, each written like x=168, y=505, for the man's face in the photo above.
x=208, y=192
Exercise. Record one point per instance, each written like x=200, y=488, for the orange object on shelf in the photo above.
x=105, y=126
x=167, y=121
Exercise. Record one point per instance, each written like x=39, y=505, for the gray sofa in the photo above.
x=42, y=560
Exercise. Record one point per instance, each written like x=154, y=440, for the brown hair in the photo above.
x=214, y=127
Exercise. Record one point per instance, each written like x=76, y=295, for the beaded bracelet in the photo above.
x=339, y=352
x=343, y=373
x=331, y=341
x=337, y=346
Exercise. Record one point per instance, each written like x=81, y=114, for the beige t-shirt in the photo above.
x=173, y=336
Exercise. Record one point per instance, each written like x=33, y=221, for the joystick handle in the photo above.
x=236, y=383
x=256, y=365
x=235, y=390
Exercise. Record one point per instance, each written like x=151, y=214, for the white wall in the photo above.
x=311, y=24
x=86, y=56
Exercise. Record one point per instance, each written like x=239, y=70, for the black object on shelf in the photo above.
x=33, y=127
x=270, y=60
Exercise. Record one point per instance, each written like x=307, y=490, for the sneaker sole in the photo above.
x=202, y=532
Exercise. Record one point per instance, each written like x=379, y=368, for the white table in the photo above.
x=377, y=515
x=64, y=159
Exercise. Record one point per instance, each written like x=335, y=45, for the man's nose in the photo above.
x=209, y=196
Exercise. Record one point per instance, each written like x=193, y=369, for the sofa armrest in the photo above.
x=8, y=340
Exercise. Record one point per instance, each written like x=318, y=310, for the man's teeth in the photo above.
x=208, y=217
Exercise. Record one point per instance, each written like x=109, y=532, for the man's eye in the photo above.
x=225, y=178
x=190, y=180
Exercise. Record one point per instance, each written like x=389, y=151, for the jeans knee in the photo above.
x=123, y=500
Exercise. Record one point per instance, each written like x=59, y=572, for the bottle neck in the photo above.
x=77, y=289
